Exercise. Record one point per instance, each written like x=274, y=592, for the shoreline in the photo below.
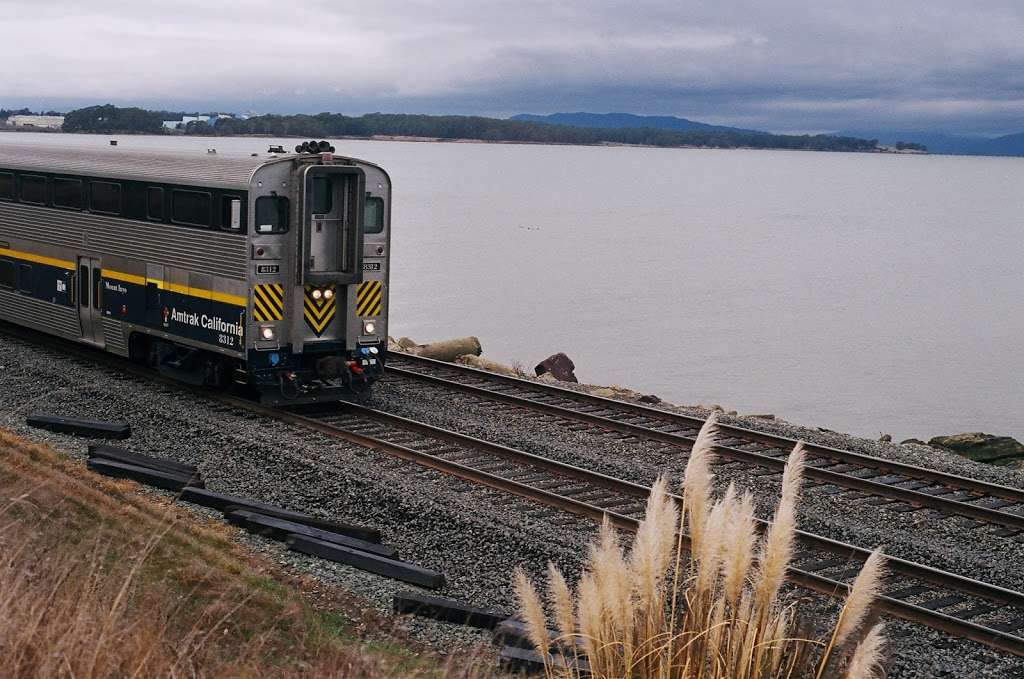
x=461, y=140
x=400, y=138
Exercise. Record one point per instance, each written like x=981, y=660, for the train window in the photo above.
x=373, y=214
x=25, y=278
x=105, y=197
x=6, y=274
x=67, y=193
x=6, y=185
x=323, y=197
x=33, y=189
x=271, y=214
x=231, y=213
x=155, y=203
x=192, y=208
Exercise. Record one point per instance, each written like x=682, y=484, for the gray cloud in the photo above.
x=781, y=65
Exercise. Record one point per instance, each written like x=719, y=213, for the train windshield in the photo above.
x=271, y=214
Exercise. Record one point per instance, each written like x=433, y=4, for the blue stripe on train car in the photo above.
x=191, y=316
x=44, y=282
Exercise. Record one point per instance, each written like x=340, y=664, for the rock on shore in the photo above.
x=981, y=447
x=557, y=368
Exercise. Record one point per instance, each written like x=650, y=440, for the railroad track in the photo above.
x=901, y=487
x=951, y=603
x=956, y=605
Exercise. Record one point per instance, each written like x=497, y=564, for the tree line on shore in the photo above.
x=7, y=113
x=500, y=130
x=111, y=119
x=116, y=119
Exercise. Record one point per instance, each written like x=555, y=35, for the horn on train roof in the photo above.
x=314, y=146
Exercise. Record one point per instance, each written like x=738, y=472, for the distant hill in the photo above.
x=1008, y=145
x=614, y=121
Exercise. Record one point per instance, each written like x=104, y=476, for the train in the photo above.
x=265, y=272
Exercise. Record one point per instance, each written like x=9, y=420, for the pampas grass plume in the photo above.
x=739, y=547
x=653, y=547
x=777, y=547
x=532, y=611
x=868, y=655
x=858, y=604
x=863, y=591
x=698, y=478
x=561, y=603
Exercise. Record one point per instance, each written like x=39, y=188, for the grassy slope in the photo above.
x=97, y=580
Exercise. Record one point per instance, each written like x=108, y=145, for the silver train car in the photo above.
x=266, y=271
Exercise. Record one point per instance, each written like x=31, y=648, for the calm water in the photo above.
x=864, y=293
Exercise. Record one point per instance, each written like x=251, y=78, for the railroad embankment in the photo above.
x=476, y=535
x=98, y=580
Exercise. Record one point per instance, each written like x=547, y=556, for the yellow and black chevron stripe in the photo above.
x=369, y=298
x=319, y=312
x=268, y=302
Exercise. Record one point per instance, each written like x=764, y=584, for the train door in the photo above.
x=332, y=239
x=326, y=228
x=155, y=276
x=90, y=312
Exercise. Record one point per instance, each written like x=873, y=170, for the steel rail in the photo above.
x=825, y=476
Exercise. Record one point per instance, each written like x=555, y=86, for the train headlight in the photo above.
x=328, y=294
x=267, y=333
x=317, y=294
x=369, y=327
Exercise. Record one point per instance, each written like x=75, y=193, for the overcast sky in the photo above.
x=777, y=65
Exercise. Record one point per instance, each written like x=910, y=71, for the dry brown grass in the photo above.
x=97, y=580
x=713, y=611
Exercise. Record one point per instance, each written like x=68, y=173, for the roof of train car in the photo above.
x=196, y=168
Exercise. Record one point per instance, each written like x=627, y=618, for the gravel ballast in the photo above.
x=917, y=536
x=474, y=536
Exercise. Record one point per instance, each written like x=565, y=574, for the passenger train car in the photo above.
x=268, y=271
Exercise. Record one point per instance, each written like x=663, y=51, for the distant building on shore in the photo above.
x=185, y=120
x=43, y=122
x=916, y=148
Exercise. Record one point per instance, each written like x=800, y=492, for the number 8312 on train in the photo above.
x=265, y=271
